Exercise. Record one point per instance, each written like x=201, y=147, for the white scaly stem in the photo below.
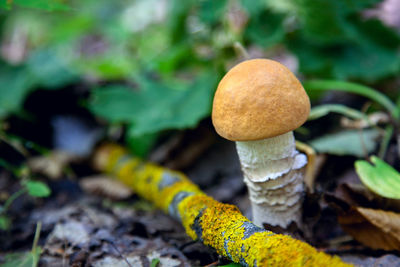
x=273, y=171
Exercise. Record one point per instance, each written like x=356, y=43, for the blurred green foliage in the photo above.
x=155, y=106
x=162, y=59
x=25, y=259
x=48, y=5
x=29, y=186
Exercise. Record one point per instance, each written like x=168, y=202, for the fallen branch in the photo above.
x=218, y=225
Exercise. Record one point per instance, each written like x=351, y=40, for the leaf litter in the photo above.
x=95, y=231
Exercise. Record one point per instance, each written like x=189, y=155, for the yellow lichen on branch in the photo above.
x=218, y=225
x=224, y=228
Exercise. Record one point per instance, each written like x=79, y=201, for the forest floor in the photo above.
x=93, y=225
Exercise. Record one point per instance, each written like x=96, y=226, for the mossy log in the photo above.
x=217, y=225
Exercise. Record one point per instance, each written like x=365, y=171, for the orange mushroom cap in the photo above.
x=259, y=99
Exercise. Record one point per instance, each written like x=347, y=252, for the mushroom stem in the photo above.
x=273, y=172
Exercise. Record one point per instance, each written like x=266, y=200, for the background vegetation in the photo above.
x=154, y=65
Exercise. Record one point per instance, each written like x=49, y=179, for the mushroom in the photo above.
x=258, y=104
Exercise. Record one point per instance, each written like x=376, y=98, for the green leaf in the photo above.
x=373, y=32
x=254, y=7
x=25, y=259
x=174, y=57
x=5, y=222
x=379, y=177
x=266, y=29
x=178, y=13
x=69, y=29
x=44, y=68
x=154, y=106
x=356, y=5
x=140, y=145
x=332, y=22
x=152, y=48
x=327, y=26
x=155, y=262
x=18, y=260
x=365, y=62
x=37, y=189
x=347, y=60
x=107, y=66
x=350, y=142
x=212, y=11
x=339, y=43
x=50, y=69
x=47, y=5
x=15, y=84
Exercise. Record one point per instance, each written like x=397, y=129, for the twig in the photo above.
x=37, y=235
x=388, y=133
x=11, y=199
x=212, y=264
x=120, y=254
x=240, y=50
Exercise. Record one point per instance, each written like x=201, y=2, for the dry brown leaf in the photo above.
x=377, y=229
x=105, y=186
x=51, y=165
x=355, y=194
x=373, y=119
x=362, y=196
x=314, y=165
